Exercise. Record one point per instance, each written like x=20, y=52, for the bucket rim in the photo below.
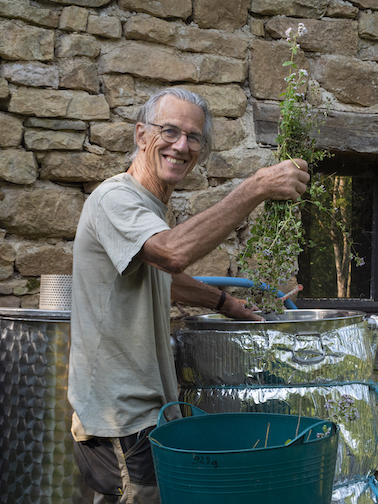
x=296, y=441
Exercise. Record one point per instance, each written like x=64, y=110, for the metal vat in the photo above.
x=37, y=461
x=299, y=346
x=296, y=363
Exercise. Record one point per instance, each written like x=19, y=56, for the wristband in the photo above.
x=221, y=301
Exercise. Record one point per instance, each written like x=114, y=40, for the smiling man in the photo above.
x=128, y=264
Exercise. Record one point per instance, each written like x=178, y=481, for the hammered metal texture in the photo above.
x=266, y=354
x=37, y=462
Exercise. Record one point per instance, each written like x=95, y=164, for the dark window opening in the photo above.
x=357, y=200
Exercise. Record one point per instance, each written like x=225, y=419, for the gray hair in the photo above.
x=147, y=114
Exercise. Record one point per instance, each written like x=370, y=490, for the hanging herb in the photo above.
x=277, y=236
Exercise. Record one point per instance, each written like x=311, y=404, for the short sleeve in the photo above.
x=124, y=222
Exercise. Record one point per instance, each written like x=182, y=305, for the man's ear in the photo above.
x=140, y=135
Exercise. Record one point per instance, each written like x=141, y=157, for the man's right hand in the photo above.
x=283, y=181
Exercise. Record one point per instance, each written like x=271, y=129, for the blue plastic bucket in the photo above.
x=240, y=458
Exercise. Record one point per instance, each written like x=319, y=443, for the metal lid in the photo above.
x=42, y=315
x=312, y=319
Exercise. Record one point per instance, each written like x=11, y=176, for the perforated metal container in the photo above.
x=37, y=461
x=55, y=292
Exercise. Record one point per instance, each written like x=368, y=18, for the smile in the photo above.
x=175, y=161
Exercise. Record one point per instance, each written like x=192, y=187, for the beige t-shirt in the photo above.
x=121, y=368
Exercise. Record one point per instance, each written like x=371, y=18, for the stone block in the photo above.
x=104, y=26
x=233, y=70
x=342, y=9
x=266, y=73
x=196, y=180
x=342, y=131
x=119, y=90
x=229, y=100
x=73, y=18
x=35, y=15
x=217, y=263
x=369, y=52
x=42, y=210
x=88, y=107
x=19, y=41
x=333, y=36
x=79, y=73
x=4, y=88
x=221, y=14
x=81, y=166
x=39, y=102
x=77, y=44
x=58, y=103
x=187, y=38
x=227, y=133
x=201, y=200
x=147, y=60
x=11, y=130
x=298, y=8
x=43, y=139
x=31, y=74
x=35, y=258
x=7, y=258
x=368, y=25
x=18, y=166
x=84, y=3
x=240, y=164
x=349, y=79
x=366, y=4
x=55, y=124
x=164, y=8
x=118, y=136
x=10, y=302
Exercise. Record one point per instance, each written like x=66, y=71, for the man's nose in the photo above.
x=182, y=142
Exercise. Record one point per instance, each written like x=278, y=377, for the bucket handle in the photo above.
x=304, y=436
x=195, y=411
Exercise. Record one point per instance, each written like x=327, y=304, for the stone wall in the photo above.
x=73, y=75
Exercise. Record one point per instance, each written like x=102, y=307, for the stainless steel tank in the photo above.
x=37, y=461
x=296, y=363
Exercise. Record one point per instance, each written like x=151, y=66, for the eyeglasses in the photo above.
x=171, y=134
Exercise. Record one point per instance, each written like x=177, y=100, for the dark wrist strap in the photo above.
x=221, y=301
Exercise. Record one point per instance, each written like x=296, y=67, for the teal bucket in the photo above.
x=243, y=458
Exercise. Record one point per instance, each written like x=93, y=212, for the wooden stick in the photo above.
x=267, y=434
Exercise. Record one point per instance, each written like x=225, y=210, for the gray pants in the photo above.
x=120, y=470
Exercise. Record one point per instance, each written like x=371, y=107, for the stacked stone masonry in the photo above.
x=73, y=75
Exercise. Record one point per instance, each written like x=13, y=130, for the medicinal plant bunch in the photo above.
x=276, y=237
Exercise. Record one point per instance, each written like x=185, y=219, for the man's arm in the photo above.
x=187, y=290
x=174, y=250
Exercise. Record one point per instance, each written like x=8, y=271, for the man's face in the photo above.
x=170, y=163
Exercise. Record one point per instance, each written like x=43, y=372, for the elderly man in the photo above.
x=127, y=265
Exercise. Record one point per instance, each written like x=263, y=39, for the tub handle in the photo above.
x=195, y=411
x=310, y=434
x=298, y=351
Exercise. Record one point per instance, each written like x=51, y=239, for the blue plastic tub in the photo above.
x=242, y=458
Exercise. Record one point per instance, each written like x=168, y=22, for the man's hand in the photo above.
x=237, y=309
x=285, y=180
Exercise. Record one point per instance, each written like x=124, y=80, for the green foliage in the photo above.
x=277, y=237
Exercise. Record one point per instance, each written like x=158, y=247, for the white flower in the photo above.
x=303, y=73
x=288, y=32
x=301, y=29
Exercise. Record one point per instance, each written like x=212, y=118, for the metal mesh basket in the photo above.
x=55, y=292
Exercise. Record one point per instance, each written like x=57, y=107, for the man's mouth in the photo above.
x=175, y=161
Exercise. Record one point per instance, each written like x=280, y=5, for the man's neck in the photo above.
x=141, y=173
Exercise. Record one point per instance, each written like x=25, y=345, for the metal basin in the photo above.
x=299, y=346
